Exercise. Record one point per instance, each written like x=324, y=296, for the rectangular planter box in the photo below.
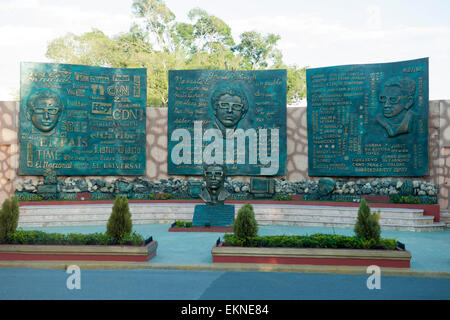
x=312, y=256
x=25, y=252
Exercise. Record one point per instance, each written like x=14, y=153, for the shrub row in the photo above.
x=40, y=237
x=182, y=224
x=313, y=241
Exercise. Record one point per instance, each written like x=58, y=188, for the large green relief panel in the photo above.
x=235, y=118
x=82, y=120
x=368, y=120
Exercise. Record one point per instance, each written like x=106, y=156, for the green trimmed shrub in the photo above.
x=282, y=197
x=317, y=240
x=119, y=224
x=245, y=225
x=367, y=227
x=183, y=224
x=44, y=238
x=9, y=217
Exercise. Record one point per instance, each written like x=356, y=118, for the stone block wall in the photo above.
x=297, y=148
x=9, y=153
x=441, y=175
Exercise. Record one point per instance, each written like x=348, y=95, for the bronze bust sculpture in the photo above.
x=214, y=175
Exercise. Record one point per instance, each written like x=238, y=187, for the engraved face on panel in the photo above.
x=230, y=105
x=396, y=102
x=397, y=96
x=44, y=109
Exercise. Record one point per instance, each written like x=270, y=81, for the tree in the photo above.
x=259, y=50
x=158, y=42
x=158, y=20
x=296, y=83
x=245, y=225
x=9, y=217
x=210, y=33
x=119, y=223
x=367, y=226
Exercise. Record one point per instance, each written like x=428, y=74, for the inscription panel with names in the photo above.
x=368, y=120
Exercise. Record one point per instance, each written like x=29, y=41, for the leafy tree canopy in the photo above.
x=158, y=42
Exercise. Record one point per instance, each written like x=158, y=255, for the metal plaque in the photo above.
x=368, y=120
x=236, y=118
x=81, y=120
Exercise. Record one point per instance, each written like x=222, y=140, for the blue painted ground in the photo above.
x=212, y=285
x=430, y=250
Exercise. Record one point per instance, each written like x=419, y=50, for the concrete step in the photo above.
x=424, y=220
x=445, y=217
x=326, y=216
x=188, y=208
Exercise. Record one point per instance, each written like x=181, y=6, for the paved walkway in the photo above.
x=217, y=285
x=183, y=270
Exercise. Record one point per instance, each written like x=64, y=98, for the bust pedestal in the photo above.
x=219, y=215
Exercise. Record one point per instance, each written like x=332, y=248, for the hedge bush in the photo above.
x=44, y=238
x=183, y=224
x=119, y=223
x=367, y=226
x=9, y=217
x=318, y=240
x=245, y=225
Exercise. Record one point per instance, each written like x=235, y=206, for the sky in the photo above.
x=315, y=33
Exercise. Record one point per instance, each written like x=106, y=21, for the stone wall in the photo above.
x=297, y=148
x=9, y=153
x=441, y=175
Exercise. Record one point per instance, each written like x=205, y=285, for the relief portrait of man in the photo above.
x=230, y=105
x=397, y=103
x=44, y=109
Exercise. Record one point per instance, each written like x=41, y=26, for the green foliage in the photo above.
x=158, y=42
x=44, y=238
x=119, y=223
x=388, y=244
x=283, y=197
x=405, y=199
x=245, y=225
x=296, y=83
x=367, y=226
x=258, y=50
x=318, y=240
x=9, y=217
x=183, y=224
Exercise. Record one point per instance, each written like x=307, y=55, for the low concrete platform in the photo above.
x=402, y=219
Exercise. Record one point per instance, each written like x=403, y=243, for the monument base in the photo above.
x=213, y=215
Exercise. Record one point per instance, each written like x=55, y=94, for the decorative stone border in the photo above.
x=311, y=256
x=25, y=252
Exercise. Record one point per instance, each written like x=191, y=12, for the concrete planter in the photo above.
x=24, y=252
x=312, y=256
